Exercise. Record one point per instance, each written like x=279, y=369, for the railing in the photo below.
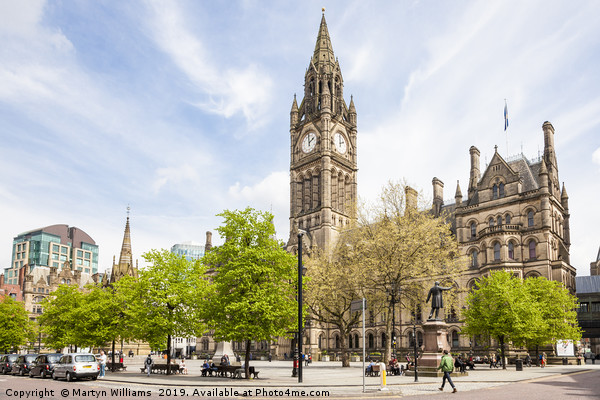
x=499, y=228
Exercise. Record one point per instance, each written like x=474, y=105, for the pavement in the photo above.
x=329, y=377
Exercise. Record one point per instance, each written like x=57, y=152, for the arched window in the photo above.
x=511, y=250
x=532, y=255
x=350, y=341
x=496, y=251
x=337, y=342
x=411, y=339
x=499, y=221
x=501, y=190
x=454, y=339
x=491, y=222
x=356, y=341
x=530, y=218
x=383, y=340
x=473, y=229
x=420, y=339
x=371, y=341
x=507, y=219
x=495, y=192
x=474, y=262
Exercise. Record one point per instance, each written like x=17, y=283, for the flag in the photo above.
x=505, y=115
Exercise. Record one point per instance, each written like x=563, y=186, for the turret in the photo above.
x=294, y=113
x=352, y=112
x=458, y=194
x=438, y=196
x=550, y=158
x=543, y=174
x=475, y=175
x=564, y=200
x=545, y=199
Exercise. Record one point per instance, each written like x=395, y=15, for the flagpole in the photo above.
x=506, y=126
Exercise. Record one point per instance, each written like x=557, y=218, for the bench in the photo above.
x=373, y=372
x=240, y=371
x=118, y=366
x=226, y=370
x=162, y=368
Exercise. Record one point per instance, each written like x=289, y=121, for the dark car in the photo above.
x=6, y=363
x=23, y=364
x=44, y=365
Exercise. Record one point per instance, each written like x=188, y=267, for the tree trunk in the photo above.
x=502, y=352
x=387, y=355
x=537, y=355
x=343, y=347
x=247, y=360
x=169, y=354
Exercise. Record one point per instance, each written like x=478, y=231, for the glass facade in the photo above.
x=191, y=251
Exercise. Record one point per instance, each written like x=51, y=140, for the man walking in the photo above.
x=148, y=363
x=446, y=365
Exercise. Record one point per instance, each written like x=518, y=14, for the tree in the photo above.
x=402, y=250
x=59, y=321
x=106, y=313
x=15, y=327
x=168, y=299
x=557, y=311
x=254, y=281
x=335, y=281
x=536, y=311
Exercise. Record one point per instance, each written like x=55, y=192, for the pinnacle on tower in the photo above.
x=323, y=58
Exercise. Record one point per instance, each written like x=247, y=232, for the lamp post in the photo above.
x=298, y=352
x=415, y=348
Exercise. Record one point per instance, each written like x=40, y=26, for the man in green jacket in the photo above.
x=447, y=365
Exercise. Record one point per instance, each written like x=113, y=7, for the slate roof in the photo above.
x=528, y=172
x=587, y=284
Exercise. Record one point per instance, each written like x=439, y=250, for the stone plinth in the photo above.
x=435, y=341
x=223, y=348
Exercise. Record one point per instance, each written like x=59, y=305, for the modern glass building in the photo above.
x=191, y=250
x=52, y=246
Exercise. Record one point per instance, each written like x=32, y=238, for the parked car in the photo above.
x=44, y=365
x=6, y=363
x=23, y=364
x=76, y=365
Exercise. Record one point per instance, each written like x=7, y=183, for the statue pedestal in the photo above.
x=435, y=341
x=224, y=348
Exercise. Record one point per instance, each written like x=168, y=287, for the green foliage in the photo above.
x=534, y=311
x=15, y=327
x=252, y=296
x=60, y=320
x=168, y=298
x=557, y=308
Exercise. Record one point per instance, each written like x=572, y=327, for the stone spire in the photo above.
x=458, y=195
x=323, y=58
x=125, y=266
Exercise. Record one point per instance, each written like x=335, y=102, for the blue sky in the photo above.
x=180, y=109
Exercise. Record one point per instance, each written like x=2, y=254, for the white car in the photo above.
x=76, y=365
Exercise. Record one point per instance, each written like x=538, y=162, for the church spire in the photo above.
x=125, y=266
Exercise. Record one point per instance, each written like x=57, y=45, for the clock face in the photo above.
x=309, y=142
x=340, y=142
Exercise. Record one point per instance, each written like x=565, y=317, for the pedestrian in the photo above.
x=543, y=360
x=148, y=363
x=102, y=364
x=446, y=365
x=270, y=357
x=183, y=368
x=528, y=360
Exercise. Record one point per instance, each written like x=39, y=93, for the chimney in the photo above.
x=475, y=174
x=438, y=196
x=410, y=195
x=208, y=244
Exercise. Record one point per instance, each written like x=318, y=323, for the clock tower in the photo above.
x=323, y=152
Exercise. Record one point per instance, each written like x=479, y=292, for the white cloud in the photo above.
x=230, y=89
x=596, y=156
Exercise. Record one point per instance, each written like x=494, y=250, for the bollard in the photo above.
x=519, y=364
x=382, y=372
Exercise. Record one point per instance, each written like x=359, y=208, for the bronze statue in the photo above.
x=437, y=300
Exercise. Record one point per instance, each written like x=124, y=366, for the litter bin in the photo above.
x=565, y=361
x=519, y=364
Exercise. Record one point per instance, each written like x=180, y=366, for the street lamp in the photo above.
x=415, y=348
x=392, y=293
x=298, y=351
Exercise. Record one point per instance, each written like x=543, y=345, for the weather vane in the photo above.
x=323, y=9
x=128, y=209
